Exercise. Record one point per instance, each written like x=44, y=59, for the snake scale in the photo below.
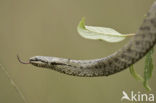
x=134, y=50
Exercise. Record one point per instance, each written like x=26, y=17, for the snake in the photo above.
x=137, y=47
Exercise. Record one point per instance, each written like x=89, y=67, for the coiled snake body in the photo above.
x=138, y=46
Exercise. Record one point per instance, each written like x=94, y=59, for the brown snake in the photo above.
x=134, y=50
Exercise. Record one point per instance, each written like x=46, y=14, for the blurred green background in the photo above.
x=48, y=28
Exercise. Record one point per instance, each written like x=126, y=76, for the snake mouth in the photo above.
x=38, y=63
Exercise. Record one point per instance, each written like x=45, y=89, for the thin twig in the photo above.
x=13, y=84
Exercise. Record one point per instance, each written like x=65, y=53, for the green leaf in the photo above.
x=100, y=33
x=135, y=74
x=148, y=69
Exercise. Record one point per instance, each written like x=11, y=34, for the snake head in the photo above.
x=43, y=61
x=38, y=61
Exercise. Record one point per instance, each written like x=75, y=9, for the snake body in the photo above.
x=134, y=50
